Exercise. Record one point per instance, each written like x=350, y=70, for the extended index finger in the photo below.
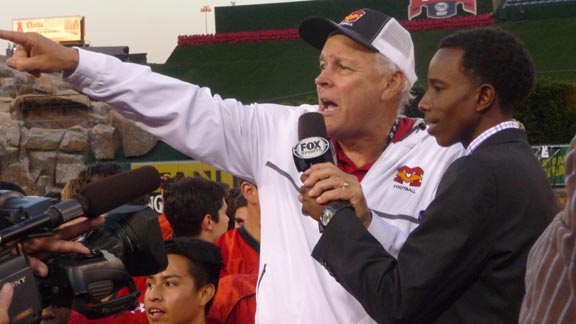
x=15, y=37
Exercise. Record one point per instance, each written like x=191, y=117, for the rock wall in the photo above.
x=48, y=131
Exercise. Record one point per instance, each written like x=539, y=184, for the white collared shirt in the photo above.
x=489, y=132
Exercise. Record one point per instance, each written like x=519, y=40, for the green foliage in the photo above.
x=412, y=109
x=547, y=114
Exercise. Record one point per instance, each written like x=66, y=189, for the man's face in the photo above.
x=240, y=216
x=171, y=296
x=349, y=88
x=449, y=104
x=222, y=226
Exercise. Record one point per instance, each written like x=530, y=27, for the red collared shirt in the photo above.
x=403, y=127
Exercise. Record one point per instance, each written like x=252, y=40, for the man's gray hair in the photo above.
x=384, y=65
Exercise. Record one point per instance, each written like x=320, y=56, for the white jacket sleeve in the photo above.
x=223, y=133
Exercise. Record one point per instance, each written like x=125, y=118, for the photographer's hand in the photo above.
x=6, y=294
x=41, y=247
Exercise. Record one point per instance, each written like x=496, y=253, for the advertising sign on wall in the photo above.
x=65, y=30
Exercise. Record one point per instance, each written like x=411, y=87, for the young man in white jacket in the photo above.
x=366, y=72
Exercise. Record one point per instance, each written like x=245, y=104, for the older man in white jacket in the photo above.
x=366, y=72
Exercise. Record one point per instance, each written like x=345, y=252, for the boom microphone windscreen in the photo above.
x=95, y=199
x=111, y=192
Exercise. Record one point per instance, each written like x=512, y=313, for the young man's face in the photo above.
x=240, y=216
x=222, y=226
x=450, y=102
x=172, y=297
x=349, y=88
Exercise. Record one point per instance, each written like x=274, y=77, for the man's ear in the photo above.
x=249, y=192
x=486, y=97
x=392, y=85
x=207, y=223
x=206, y=293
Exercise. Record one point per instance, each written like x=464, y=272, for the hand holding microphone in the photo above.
x=325, y=185
x=313, y=147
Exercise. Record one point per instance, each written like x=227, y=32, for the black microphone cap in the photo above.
x=311, y=124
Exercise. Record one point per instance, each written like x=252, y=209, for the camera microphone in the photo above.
x=95, y=199
x=111, y=192
x=313, y=144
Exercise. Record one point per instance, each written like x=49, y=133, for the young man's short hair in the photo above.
x=188, y=200
x=205, y=260
x=486, y=51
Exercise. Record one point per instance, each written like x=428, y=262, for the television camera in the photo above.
x=99, y=284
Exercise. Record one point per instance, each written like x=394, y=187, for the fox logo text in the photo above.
x=311, y=147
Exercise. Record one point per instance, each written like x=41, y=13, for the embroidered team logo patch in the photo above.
x=353, y=17
x=440, y=8
x=410, y=176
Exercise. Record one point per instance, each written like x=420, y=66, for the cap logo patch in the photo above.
x=352, y=17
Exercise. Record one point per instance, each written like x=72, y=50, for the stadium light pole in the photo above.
x=206, y=9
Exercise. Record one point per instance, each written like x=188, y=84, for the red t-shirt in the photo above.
x=400, y=130
x=240, y=252
x=235, y=300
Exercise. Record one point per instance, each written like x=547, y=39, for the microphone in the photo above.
x=314, y=147
x=313, y=144
x=93, y=200
x=111, y=192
